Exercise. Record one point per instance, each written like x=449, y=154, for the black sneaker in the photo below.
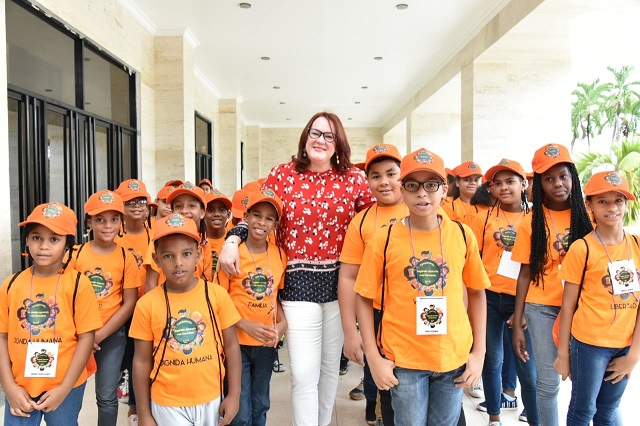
x=370, y=413
x=357, y=393
x=344, y=365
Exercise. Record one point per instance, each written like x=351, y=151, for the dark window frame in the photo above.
x=204, y=162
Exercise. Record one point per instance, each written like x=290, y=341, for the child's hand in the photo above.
x=620, y=367
x=52, y=399
x=20, y=403
x=472, y=372
x=146, y=420
x=228, y=410
x=353, y=348
x=562, y=364
x=520, y=343
x=382, y=372
x=262, y=333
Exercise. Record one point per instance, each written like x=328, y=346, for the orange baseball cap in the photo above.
x=252, y=186
x=188, y=188
x=205, y=182
x=175, y=223
x=266, y=196
x=608, y=181
x=505, y=164
x=529, y=175
x=103, y=201
x=422, y=160
x=239, y=203
x=55, y=216
x=550, y=155
x=466, y=169
x=164, y=192
x=216, y=195
x=377, y=151
x=132, y=188
x=174, y=183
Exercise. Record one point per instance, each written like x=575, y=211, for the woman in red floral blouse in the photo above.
x=321, y=191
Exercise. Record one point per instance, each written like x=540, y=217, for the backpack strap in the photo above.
x=384, y=269
x=75, y=293
x=484, y=230
x=13, y=278
x=363, y=218
x=464, y=235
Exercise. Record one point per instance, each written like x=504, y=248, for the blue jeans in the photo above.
x=109, y=360
x=540, y=319
x=257, y=366
x=509, y=378
x=65, y=415
x=593, y=398
x=499, y=308
x=425, y=397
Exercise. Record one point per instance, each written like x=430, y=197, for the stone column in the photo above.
x=229, y=138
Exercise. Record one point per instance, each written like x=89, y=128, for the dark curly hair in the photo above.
x=341, y=160
x=69, y=243
x=580, y=224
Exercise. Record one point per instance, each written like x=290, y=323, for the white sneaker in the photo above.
x=476, y=391
x=133, y=420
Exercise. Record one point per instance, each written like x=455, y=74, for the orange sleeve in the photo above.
x=574, y=262
x=353, y=247
x=87, y=314
x=141, y=322
x=473, y=275
x=131, y=271
x=522, y=248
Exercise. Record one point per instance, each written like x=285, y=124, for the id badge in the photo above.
x=431, y=315
x=507, y=267
x=624, y=277
x=42, y=359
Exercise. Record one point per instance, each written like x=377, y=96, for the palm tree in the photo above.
x=625, y=159
x=619, y=95
x=586, y=112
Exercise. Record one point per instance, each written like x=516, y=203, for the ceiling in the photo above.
x=321, y=51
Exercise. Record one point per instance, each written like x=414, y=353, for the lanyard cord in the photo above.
x=408, y=223
x=55, y=302
x=555, y=232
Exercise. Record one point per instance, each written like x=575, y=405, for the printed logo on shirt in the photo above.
x=101, y=281
x=608, y=285
x=505, y=237
x=561, y=244
x=38, y=315
x=186, y=332
x=428, y=274
x=259, y=283
x=138, y=256
x=214, y=261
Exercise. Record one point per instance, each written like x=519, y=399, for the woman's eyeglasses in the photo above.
x=328, y=136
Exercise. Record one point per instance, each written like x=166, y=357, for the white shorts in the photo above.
x=196, y=415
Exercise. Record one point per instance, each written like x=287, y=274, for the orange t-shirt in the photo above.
x=359, y=232
x=548, y=292
x=255, y=291
x=203, y=265
x=138, y=245
x=109, y=274
x=497, y=230
x=216, y=248
x=598, y=306
x=192, y=356
x=462, y=264
x=458, y=210
x=59, y=321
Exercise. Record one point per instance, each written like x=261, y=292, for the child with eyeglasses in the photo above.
x=255, y=294
x=427, y=348
x=185, y=338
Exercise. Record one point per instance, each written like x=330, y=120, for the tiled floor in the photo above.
x=351, y=413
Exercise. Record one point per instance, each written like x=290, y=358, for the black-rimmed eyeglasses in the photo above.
x=414, y=185
x=315, y=134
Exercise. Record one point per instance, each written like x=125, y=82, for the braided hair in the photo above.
x=580, y=224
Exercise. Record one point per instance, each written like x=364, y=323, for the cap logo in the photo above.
x=613, y=178
x=380, y=148
x=552, y=151
x=216, y=192
x=504, y=163
x=134, y=185
x=473, y=166
x=107, y=198
x=245, y=202
x=175, y=221
x=171, y=189
x=269, y=193
x=188, y=185
x=423, y=157
x=52, y=211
